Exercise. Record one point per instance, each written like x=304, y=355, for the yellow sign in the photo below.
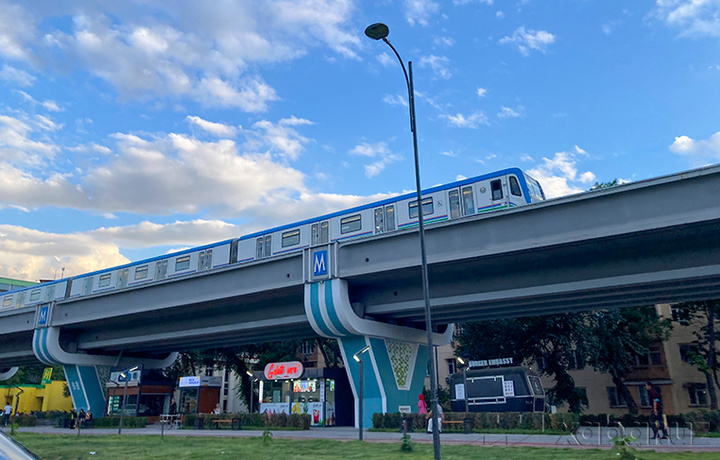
x=47, y=375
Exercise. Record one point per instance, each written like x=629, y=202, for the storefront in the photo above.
x=199, y=395
x=325, y=394
x=148, y=393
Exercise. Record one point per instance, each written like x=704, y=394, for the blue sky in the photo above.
x=130, y=129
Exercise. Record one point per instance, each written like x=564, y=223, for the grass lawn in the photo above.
x=66, y=447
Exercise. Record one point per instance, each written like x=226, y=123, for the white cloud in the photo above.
x=395, y=100
x=419, y=11
x=21, y=139
x=438, y=64
x=481, y=92
x=694, y=18
x=379, y=152
x=558, y=174
x=699, y=152
x=17, y=76
x=216, y=129
x=281, y=137
x=507, y=112
x=472, y=121
x=179, y=50
x=444, y=41
x=529, y=40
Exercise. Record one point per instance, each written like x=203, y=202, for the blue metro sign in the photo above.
x=320, y=263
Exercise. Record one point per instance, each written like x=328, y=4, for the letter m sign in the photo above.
x=43, y=315
x=320, y=263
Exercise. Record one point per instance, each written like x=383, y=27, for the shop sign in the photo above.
x=491, y=362
x=289, y=370
x=189, y=382
x=203, y=381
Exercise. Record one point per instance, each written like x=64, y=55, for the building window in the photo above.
x=697, y=393
x=687, y=350
x=644, y=397
x=451, y=366
x=576, y=361
x=650, y=358
x=307, y=348
x=614, y=398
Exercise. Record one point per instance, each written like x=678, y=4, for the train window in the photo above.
x=454, y=199
x=379, y=220
x=104, y=280
x=35, y=295
x=7, y=301
x=389, y=217
x=515, y=186
x=141, y=272
x=351, y=224
x=291, y=238
x=427, y=205
x=182, y=263
x=468, y=201
x=496, y=189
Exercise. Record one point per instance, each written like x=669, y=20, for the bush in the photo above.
x=483, y=420
x=23, y=420
x=301, y=421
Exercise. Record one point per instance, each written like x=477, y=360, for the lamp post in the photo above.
x=252, y=381
x=380, y=31
x=356, y=357
x=122, y=408
x=465, y=389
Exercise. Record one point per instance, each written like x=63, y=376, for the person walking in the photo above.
x=7, y=410
x=422, y=406
x=657, y=422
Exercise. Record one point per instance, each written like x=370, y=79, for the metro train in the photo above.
x=490, y=192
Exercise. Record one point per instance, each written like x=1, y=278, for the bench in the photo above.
x=233, y=423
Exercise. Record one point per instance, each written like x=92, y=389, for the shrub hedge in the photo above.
x=300, y=421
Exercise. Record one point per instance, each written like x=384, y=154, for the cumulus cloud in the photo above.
x=438, y=64
x=699, y=152
x=529, y=40
x=507, y=112
x=19, y=77
x=216, y=129
x=205, y=53
x=559, y=175
x=693, y=18
x=481, y=92
x=379, y=152
x=471, y=121
x=419, y=11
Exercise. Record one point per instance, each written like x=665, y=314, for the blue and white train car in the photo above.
x=490, y=192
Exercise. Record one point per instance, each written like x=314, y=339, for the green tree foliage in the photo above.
x=705, y=318
x=550, y=339
x=616, y=337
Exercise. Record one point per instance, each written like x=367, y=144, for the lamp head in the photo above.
x=377, y=31
x=356, y=356
x=249, y=374
x=460, y=360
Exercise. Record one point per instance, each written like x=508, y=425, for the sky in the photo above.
x=132, y=129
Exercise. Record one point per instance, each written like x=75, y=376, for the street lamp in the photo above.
x=356, y=357
x=252, y=395
x=465, y=388
x=127, y=376
x=380, y=31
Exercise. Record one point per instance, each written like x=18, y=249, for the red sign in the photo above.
x=290, y=370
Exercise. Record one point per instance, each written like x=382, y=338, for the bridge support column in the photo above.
x=83, y=378
x=396, y=363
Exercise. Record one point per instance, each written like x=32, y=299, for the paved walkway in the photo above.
x=586, y=437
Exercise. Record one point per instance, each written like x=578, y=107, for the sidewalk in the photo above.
x=586, y=437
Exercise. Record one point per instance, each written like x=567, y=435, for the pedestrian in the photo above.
x=173, y=407
x=7, y=410
x=81, y=418
x=422, y=407
x=430, y=417
x=657, y=421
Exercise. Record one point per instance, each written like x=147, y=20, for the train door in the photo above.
x=161, y=269
x=462, y=202
x=320, y=233
x=87, y=285
x=50, y=293
x=122, y=278
x=205, y=260
x=385, y=219
x=20, y=301
x=264, y=247
x=497, y=194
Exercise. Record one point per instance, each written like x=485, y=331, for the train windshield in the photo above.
x=536, y=191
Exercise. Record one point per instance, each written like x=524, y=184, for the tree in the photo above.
x=615, y=339
x=550, y=339
x=705, y=316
